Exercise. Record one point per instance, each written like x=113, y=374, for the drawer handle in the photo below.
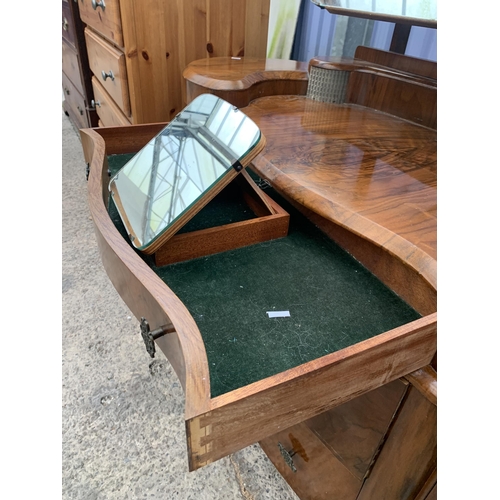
x=96, y=4
x=65, y=24
x=287, y=456
x=95, y=103
x=149, y=336
x=105, y=75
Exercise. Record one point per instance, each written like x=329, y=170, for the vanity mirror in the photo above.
x=182, y=168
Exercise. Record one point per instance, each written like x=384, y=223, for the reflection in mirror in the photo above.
x=179, y=166
x=418, y=12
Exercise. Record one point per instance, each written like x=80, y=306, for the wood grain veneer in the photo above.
x=358, y=63
x=218, y=426
x=239, y=80
x=367, y=172
x=398, y=62
x=141, y=289
x=319, y=475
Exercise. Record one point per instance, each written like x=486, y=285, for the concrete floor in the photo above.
x=122, y=412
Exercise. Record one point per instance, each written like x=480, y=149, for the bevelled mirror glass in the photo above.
x=182, y=168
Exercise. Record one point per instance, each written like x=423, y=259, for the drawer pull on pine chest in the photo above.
x=96, y=4
x=105, y=75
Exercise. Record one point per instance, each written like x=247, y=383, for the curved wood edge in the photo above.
x=425, y=380
x=408, y=253
x=242, y=417
x=141, y=289
x=242, y=98
x=399, y=62
x=244, y=75
x=359, y=65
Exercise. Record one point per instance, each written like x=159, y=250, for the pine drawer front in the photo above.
x=74, y=103
x=68, y=29
x=318, y=475
x=71, y=65
x=108, y=65
x=109, y=113
x=104, y=16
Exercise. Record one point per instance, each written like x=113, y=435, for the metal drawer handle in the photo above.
x=149, y=336
x=287, y=455
x=65, y=24
x=96, y=4
x=108, y=75
x=95, y=103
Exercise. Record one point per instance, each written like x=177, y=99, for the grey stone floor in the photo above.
x=122, y=413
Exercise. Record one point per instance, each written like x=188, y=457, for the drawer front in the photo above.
x=74, y=103
x=108, y=65
x=109, y=113
x=106, y=21
x=319, y=475
x=355, y=430
x=68, y=27
x=71, y=65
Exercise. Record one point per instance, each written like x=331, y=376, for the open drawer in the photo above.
x=226, y=411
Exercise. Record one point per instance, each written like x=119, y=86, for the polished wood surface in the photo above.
x=319, y=475
x=139, y=287
x=413, y=101
x=396, y=61
x=354, y=431
x=239, y=80
x=368, y=172
x=218, y=426
x=361, y=65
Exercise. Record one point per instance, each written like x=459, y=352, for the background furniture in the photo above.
x=355, y=423
x=77, y=90
x=138, y=50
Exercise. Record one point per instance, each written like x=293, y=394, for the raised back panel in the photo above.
x=406, y=92
x=400, y=62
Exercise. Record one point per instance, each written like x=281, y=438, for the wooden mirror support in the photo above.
x=271, y=223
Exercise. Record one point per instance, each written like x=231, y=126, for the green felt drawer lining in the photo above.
x=334, y=302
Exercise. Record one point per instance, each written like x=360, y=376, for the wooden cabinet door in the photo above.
x=409, y=455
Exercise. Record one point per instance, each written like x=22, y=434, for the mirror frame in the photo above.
x=193, y=208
